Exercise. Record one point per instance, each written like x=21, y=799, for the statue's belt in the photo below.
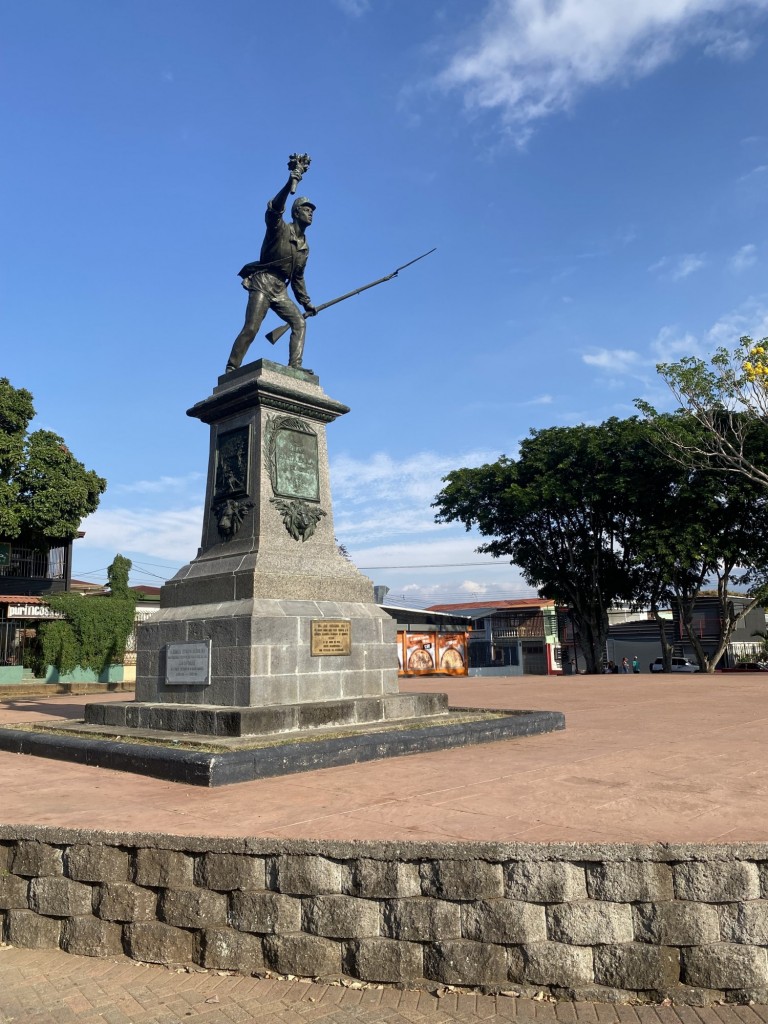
x=246, y=273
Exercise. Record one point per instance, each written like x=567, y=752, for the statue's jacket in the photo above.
x=284, y=254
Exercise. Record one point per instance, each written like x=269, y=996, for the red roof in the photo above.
x=523, y=602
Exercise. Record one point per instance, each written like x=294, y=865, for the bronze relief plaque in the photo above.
x=296, y=465
x=294, y=470
x=331, y=636
x=232, y=464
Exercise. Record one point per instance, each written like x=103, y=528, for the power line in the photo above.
x=161, y=565
x=433, y=565
x=154, y=575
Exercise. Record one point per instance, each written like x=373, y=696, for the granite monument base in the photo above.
x=268, y=655
x=204, y=720
x=261, y=653
x=222, y=760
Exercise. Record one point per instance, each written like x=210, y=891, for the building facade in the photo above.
x=431, y=642
x=511, y=637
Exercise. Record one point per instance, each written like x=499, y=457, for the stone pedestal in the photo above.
x=268, y=591
x=268, y=655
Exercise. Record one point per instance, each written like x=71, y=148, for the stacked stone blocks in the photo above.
x=610, y=922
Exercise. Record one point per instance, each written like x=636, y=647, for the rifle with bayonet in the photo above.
x=278, y=332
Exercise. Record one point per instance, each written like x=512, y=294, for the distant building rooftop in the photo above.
x=474, y=606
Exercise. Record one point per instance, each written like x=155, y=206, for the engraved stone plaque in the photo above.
x=232, y=463
x=296, y=464
x=188, y=664
x=331, y=636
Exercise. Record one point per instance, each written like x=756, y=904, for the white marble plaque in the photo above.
x=188, y=664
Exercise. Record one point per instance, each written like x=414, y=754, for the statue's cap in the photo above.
x=302, y=201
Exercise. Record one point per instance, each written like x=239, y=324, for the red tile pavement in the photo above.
x=47, y=986
x=674, y=758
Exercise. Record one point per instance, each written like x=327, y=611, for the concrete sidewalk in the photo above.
x=51, y=987
x=677, y=758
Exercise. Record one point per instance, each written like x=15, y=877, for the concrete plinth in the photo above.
x=261, y=653
x=266, y=721
x=268, y=570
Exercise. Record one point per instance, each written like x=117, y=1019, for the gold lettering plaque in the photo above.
x=331, y=636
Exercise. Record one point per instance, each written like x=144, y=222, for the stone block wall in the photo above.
x=607, y=922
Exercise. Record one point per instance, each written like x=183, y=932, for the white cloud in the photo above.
x=383, y=498
x=745, y=258
x=727, y=45
x=422, y=595
x=361, y=525
x=670, y=344
x=751, y=318
x=430, y=571
x=617, y=360
x=381, y=477
x=164, y=485
x=756, y=172
x=173, y=534
x=529, y=59
x=451, y=546
x=678, y=267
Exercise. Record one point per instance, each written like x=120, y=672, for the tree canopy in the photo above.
x=95, y=630
x=726, y=398
x=45, y=492
x=594, y=515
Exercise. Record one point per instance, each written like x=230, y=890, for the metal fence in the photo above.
x=29, y=563
x=13, y=640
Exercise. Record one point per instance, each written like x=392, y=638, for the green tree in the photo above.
x=118, y=575
x=94, y=630
x=45, y=492
x=725, y=398
x=709, y=528
x=593, y=515
x=563, y=512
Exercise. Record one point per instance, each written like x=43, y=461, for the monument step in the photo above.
x=220, y=760
x=273, y=719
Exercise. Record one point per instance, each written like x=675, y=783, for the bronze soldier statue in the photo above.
x=283, y=257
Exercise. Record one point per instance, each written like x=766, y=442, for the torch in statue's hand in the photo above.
x=298, y=163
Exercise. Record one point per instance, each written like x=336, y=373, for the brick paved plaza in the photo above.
x=642, y=759
x=678, y=759
x=51, y=987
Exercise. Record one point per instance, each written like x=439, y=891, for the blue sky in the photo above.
x=592, y=173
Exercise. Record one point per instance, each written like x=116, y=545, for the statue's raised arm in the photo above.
x=283, y=257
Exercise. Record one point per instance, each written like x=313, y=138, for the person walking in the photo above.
x=636, y=665
x=625, y=665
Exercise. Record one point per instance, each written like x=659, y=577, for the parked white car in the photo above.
x=678, y=665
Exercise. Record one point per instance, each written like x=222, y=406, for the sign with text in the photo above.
x=331, y=636
x=32, y=611
x=188, y=664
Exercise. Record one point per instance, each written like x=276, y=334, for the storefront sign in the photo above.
x=33, y=611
